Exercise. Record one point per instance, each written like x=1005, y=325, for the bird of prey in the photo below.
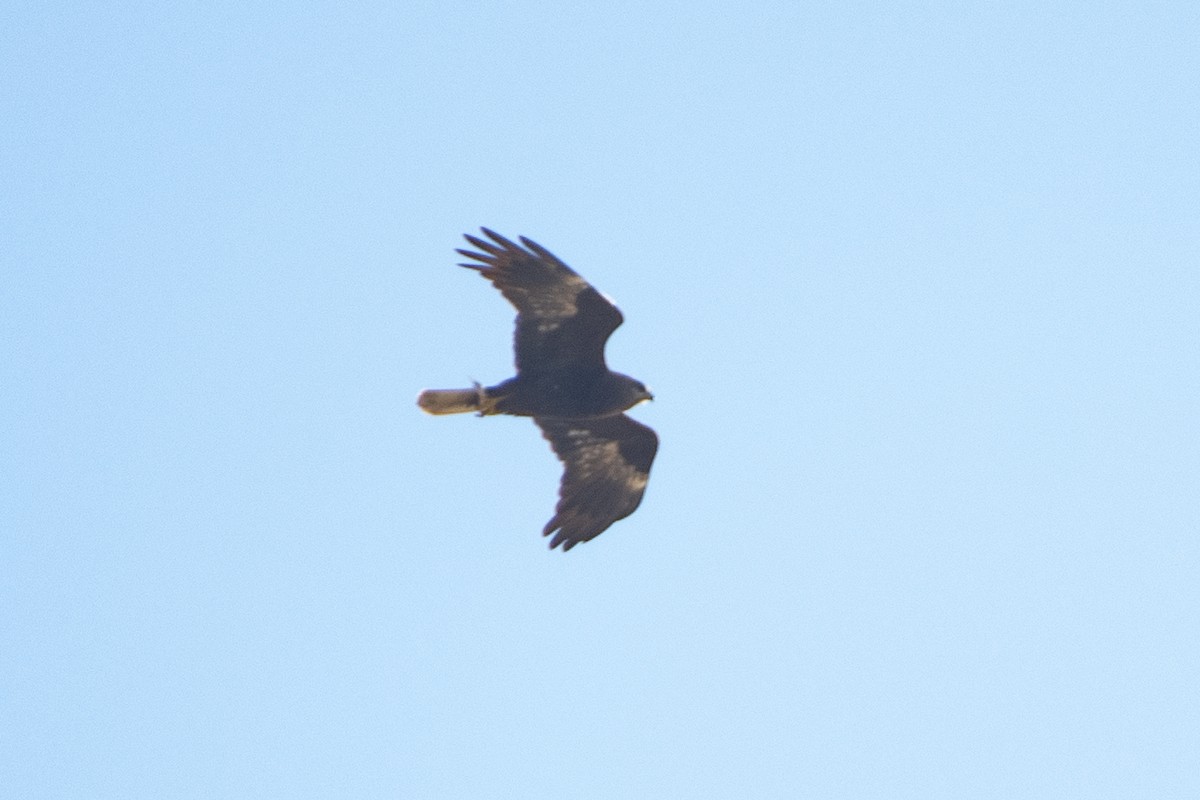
x=563, y=382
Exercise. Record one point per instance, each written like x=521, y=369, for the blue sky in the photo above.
x=915, y=285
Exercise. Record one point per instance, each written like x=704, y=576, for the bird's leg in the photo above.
x=485, y=403
x=480, y=397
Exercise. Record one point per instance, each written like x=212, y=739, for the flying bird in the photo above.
x=563, y=382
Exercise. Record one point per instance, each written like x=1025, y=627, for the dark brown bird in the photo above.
x=563, y=382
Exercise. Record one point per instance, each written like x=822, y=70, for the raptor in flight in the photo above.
x=563, y=382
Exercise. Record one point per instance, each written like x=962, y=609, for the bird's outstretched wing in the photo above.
x=562, y=321
x=607, y=464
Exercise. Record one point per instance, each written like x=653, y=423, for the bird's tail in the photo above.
x=456, y=401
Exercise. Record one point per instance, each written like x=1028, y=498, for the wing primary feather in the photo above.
x=487, y=247
x=489, y=260
x=500, y=240
x=537, y=249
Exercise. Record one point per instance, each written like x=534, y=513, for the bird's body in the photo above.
x=563, y=382
x=582, y=394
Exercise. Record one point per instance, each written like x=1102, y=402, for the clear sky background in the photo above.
x=916, y=286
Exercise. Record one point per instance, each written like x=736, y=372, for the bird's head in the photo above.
x=634, y=391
